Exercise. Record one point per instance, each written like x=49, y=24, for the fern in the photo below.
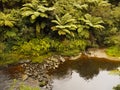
x=35, y=10
x=7, y=20
x=92, y=21
x=64, y=25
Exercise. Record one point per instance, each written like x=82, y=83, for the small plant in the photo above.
x=117, y=87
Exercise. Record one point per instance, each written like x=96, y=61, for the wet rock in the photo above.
x=24, y=61
x=62, y=59
x=24, y=77
x=75, y=57
x=39, y=71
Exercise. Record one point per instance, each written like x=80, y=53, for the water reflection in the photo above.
x=85, y=74
x=101, y=82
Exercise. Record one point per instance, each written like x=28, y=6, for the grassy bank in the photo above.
x=113, y=51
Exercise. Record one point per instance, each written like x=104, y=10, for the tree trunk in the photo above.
x=37, y=29
x=1, y=6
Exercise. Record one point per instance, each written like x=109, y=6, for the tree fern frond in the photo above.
x=69, y=21
x=56, y=22
x=60, y=32
x=98, y=26
x=81, y=7
x=7, y=20
x=32, y=20
x=57, y=18
x=27, y=13
x=50, y=8
x=65, y=18
x=28, y=5
x=35, y=15
x=8, y=23
x=1, y=23
x=42, y=8
x=66, y=31
x=92, y=21
x=26, y=9
x=43, y=15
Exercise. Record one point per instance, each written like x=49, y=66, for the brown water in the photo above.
x=86, y=74
x=10, y=78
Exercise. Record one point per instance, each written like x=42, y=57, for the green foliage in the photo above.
x=9, y=58
x=116, y=14
x=7, y=20
x=113, y=32
x=40, y=59
x=117, y=87
x=70, y=26
x=67, y=46
x=64, y=25
x=94, y=22
x=2, y=47
x=35, y=11
x=83, y=32
x=113, y=40
x=62, y=7
x=34, y=47
x=113, y=51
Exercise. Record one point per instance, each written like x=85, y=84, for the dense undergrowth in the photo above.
x=37, y=29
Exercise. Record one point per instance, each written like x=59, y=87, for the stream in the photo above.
x=86, y=73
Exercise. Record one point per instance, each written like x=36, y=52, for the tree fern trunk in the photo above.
x=1, y=6
x=37, y=29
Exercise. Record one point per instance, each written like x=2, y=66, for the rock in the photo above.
x=24, y=61
x=40, y=71
x=43, y=83
x=62, y=59
x=75, y=57
x=24, y=77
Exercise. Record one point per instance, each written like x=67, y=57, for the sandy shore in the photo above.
x=100, y=53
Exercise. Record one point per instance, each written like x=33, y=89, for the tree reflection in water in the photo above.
x=86, y=67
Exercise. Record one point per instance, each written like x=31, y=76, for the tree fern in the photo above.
x=35, y=10
x=94, y=22
x=7, y=20
x=64, y=25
